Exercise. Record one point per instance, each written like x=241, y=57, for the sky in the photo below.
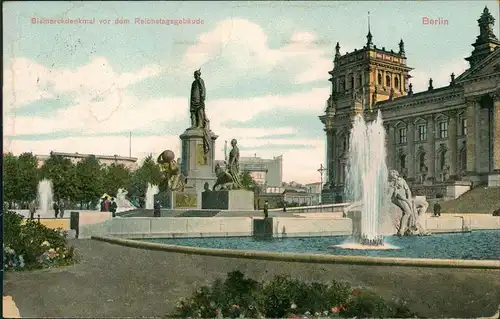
x=86, y=87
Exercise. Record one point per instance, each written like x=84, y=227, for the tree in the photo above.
x=116, y=176
x=27, y=176
x=62, y=172
x=90, y=177
x=148, y=172
x=247, y=181
x=10, y=178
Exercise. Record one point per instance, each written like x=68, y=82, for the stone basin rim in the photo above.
x=305, y=258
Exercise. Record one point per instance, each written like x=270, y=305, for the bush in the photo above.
x=30, y=245
x=238, y=297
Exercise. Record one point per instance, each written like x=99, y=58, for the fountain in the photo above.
x=45, y=196
x=150, y=195
x=367, y=179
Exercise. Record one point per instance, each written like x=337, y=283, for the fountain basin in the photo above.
x=476, y=245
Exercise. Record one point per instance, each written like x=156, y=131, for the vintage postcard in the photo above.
x=251, y=159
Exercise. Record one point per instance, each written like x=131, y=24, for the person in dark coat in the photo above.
x=55, y=207
x=61, y=208
x=266, y=209
x=157, y=209
x=437, y=209
x=113, y=207
x=103, y=204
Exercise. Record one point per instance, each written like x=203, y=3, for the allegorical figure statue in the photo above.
x=234, y=163
x=173, y=179
x=197, y=102
x=413, y=219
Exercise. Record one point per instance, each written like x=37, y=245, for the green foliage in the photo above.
x=10, y=179
x=62, y=172
x=239, y=297
x=148, y=172
x=116, y=176
x=90, y=177
x=35, y=242
x=247, y=181
x=27, y=170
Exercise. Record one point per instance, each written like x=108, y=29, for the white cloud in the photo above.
x=242, y=46
x=24, y=82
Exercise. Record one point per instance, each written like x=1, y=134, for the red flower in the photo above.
x=217, y=310
x=341, y=307
x=356, y=292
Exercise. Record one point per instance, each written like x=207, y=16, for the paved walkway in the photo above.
x=117, y=281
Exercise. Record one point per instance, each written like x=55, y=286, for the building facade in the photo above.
x=265, y=172
x=436, y=138
x=129, y=162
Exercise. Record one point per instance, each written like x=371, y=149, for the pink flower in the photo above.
x=217, y=310
x=335, y=309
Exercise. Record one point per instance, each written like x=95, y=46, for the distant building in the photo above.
x=315, y=190
x=268, y=172
x=129, y=162
x=299, y=195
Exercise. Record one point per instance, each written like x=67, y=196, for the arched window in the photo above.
x=352, y=82
x=342, y=85
x=388, y=81
x=360, y=80
x=379, y=79
x=396, y=83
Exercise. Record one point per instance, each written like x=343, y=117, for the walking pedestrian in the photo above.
x=55, y=207
x=437, y=209
x=113, y=207
x=157, y=209
x=266, y=209
x=32, y=209
x=62, y=206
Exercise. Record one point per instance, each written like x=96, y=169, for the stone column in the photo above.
x=411, y=147
x=431, y=135
x=334, y=156
x=329, y=150
x=472, y=136
x=452, y=131
x=496, y=131
x=390, y=145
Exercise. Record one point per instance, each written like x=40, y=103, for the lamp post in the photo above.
x=321, y=170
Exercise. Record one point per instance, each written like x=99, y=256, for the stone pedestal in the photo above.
x=262, y=228
x=178, y=200
x=239, y=199
x=355, y=215
x=197, y=166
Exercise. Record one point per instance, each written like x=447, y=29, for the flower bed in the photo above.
x=30, y=245
x=282, y=297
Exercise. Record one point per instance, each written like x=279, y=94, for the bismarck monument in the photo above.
x=183, y=185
